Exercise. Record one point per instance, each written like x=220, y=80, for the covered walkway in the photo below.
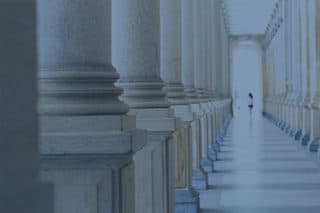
x=261, y=170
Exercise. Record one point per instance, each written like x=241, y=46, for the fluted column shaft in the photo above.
x=296, y=66
x=198, y=47
x=136, y=52
x=204, y=46
x=305, y=52
x=312, y=58
x=187, y=49
x=170, y=40
x=76, y=74
x=213, y=51
x=315, y=133
x=210, y=49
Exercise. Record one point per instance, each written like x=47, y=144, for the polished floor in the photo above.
x=262, y=170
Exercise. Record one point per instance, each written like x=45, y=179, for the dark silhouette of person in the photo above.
x=250, y=101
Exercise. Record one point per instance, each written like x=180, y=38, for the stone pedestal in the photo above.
x=84, y=160
x=305, y=138
x=186, y=198
x=90, y=148
x=163, y=128
x=187, y=201
x=199, y=178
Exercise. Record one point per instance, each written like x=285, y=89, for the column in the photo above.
x=213, y=54
x=21, y=190
x=312, y=68
x=300, y=72
x=283, y=8
x=136, y=54
x=287, y=20
x=206, y=163
x=170, y=51
x=187, y=50
x=199, y=177
x=90, y=148
x=188, y=40
x=198, y=47
x=306, y=77
x=171, y=73
x=295, y=68
x=211, y=94
x=315, y=134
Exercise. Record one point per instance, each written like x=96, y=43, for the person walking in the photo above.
x=250, y=105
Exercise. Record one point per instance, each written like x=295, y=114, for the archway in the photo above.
x=246, y=67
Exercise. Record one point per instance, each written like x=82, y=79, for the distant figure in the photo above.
x=250, y=102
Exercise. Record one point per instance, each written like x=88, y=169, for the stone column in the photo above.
x=199, y=125
x=203, y=164
x=198, y=47
x=284, y=63
x=291, y=68
x=306, y=77
x=213, y=59
x=21, y=190
x=188, y=73
x=187, y=50
x=90, y=148
x=287, y=21
x=311, y=69
x=313, y=50
x=296, y=67
x=315, y=133
x=209, y=79
x=171, y=72
x=136, y=54
x=301, y=70
x=170, y=39
x=204, y=94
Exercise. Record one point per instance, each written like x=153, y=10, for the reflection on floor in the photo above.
x=262, y=170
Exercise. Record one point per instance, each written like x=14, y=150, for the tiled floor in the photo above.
x=262, y=170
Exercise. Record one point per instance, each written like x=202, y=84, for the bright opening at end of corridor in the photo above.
x=246, y=66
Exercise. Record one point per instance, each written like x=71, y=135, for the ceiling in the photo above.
x=248, y=17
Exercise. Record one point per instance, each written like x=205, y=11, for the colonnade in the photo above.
x=291, y=70
x=133, y=100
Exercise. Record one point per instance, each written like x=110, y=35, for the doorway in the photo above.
x=246, y=67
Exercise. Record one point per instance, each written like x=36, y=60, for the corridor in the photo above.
x=141, y=106
x=261, y=170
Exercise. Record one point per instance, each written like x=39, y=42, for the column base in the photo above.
x=305, y=139
x=212, y=153
x=283, y=126
x=187, y=201
x=199, y=180
x=314, y=145
x=217, y=146
x=287, y=129
x=207, y=165
x=292, y=132
x=220, y=140
x=298, y=135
